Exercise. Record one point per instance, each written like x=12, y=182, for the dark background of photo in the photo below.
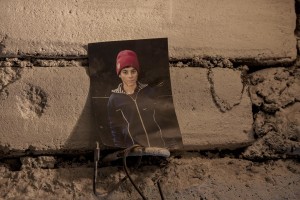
x=154, y=69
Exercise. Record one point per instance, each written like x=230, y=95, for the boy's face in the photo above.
x=129, y=76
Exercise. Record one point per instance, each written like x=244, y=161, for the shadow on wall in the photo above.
x=84, y=134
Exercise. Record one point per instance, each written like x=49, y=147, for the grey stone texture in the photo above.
x=259, y=29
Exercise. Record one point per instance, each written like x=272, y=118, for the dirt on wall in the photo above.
x=185, y=176
x=275, y=94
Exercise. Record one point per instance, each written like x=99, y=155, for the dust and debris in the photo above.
x=4, y=94
x=15, y=62
x=187, y=177
x=204, y=62
x=278, y=134
x=275, y=94
x=275, y=88
x=59, y=63
x=8, y=75
x=211, y=62
x=46, y=62
x=32, y=102
x=44, y=162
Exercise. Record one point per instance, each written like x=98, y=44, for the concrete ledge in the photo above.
x=261, y=29
x=49, y=109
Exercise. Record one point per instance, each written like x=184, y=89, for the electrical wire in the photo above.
x=125, y=155
x=160, y=191
x=126, y=151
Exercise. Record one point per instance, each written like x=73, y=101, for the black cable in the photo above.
x=96, y=160
x=95, y=178
x=125, y=154
x=126, y=151
x=160, y=191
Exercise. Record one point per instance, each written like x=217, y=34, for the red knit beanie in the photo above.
x=127, y=58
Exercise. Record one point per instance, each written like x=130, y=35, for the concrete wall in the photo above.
x=44, y=81
x=260, y=29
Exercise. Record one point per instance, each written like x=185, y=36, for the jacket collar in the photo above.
x=120, y=89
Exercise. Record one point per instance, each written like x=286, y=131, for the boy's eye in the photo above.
x=131, y=71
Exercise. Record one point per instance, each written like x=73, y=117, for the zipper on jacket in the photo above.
x=138, y=110
x=128, y=129
x=161, y=136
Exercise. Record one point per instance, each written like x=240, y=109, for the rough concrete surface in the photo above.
x=275, y=95
x=188, y=177
x=49, y=108
x=275, y=88
x=45, y=103
x=43, y=62
x=212, y=107
x=260, y=29
x=46, y=109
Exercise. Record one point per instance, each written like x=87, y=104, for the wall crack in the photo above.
x=221, y=103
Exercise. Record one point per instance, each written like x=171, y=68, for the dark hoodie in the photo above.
x=132, y=118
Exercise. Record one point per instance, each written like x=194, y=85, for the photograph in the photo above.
x=132, y=95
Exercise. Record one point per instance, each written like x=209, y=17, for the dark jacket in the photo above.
x=132, y=118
